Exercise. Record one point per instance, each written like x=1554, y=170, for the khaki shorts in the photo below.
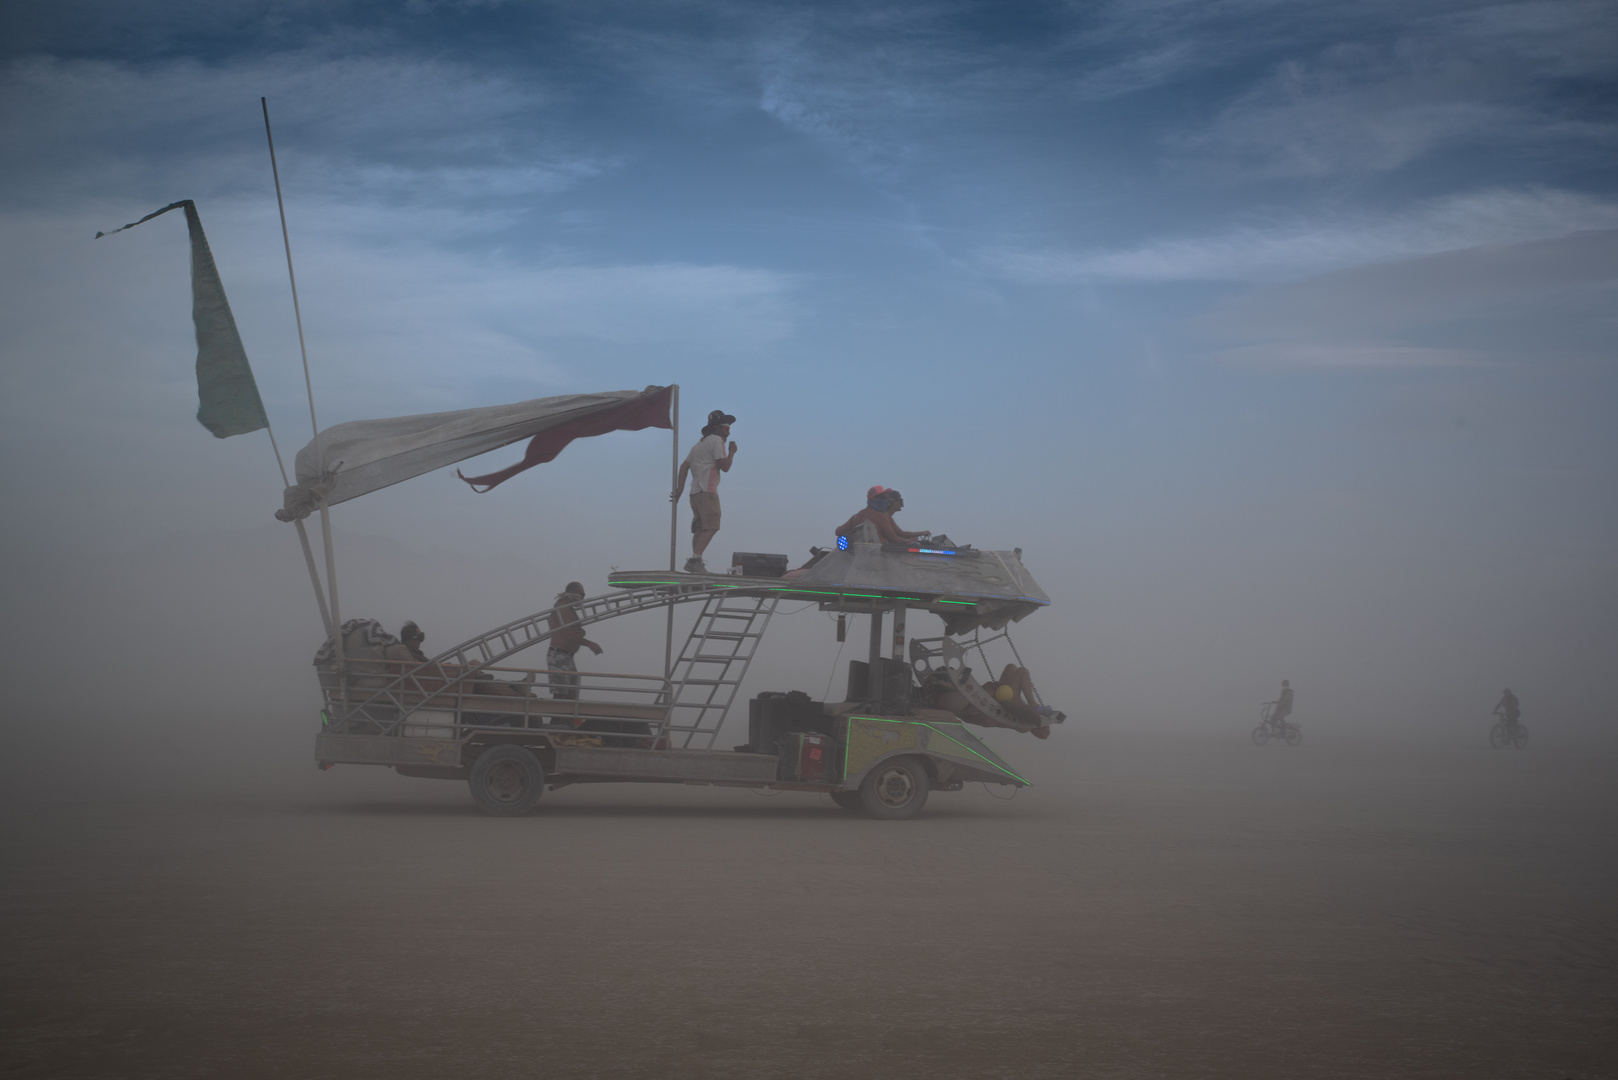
x=704, y=511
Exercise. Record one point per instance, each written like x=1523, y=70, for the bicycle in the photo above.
x=1269, y=729
x=1507, y=732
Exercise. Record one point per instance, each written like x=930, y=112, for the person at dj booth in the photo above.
x=880, y=505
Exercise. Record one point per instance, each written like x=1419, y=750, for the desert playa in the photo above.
x=1154, y=906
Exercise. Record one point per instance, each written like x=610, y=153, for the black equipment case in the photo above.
x=758, y=564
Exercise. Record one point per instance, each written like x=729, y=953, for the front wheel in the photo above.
x=1498, y=735
x=506, y=781
x=1519, y=738
x=894, y=790
x=1261, y=734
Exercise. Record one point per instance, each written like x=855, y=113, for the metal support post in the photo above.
x=674, y=526
x=876, y=648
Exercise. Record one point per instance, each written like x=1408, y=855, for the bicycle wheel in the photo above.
x=1519, y=738
x=1261, y=735
x=1498, y=735
x=1294, y=734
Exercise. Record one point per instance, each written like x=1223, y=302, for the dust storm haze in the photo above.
x=1280, y=340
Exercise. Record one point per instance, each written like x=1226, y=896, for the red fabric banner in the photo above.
x=651, y=411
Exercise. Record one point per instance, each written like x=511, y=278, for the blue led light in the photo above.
x=842, y=543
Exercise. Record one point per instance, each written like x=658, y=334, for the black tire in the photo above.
x=848, y=800
x=1294, y=734
x=1519, y=738
x=1498, y=735
x=895, y=789
x=506, y=781
x=1261, y=735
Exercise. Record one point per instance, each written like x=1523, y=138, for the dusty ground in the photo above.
x=1155, y=908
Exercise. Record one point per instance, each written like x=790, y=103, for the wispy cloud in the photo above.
x=1385, y=95
x=396, y=323
x=1313, y=244
x=396, y=128
x=1545, y=300
x=1342, y=357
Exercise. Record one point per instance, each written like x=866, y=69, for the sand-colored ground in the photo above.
x=1156, y=907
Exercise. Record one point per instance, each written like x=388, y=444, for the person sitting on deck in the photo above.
x=407, y=656
x=409, y=646
x=880, y=505
x=1013, y=692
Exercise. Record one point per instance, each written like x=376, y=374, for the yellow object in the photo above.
x=1004, y=693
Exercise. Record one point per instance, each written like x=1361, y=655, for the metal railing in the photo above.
x=436, y=700
x=379, y=696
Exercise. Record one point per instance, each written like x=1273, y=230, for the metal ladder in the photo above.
x=712, y=664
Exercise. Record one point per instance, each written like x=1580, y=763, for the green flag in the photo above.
x=227, y=395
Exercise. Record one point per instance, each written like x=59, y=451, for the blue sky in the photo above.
x=1281, y=336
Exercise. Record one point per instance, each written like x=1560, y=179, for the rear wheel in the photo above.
x=848, y=800
x=1498, y=735
x=1261, y=734
x=1519, y=738
x=1294, y=734
x=895, y=789
x=506, y=781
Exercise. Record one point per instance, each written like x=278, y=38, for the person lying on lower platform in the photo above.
x=1013, y=694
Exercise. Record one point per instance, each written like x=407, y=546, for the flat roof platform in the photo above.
x=987, y=588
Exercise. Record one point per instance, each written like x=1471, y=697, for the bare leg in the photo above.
x=699, y=541
x=1021, y=683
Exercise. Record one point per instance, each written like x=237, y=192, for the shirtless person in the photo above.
x=566, y=639
x=880, y=505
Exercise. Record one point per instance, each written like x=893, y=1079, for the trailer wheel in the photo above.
x=506, y=781
x=848, y=800
x=894, y=790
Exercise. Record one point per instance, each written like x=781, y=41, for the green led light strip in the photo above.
x=945, y=734
x=793, y=590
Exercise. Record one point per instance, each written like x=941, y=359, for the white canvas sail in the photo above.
x=348, y=460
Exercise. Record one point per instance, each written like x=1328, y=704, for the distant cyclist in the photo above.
x=1283, y=706
x=1508, y=709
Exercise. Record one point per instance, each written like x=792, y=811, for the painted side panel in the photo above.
x=385, y=750
x=871, y=738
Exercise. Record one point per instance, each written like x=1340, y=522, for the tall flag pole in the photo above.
x=228, y=401
x=674, y=528
x=308, y=383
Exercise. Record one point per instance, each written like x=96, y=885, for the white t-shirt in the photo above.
x=704, y=474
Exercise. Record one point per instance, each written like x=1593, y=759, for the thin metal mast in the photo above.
x=303, y=538
x=335, y=619
x=674, y=527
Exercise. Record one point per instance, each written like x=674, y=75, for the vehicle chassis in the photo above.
x=438, y=719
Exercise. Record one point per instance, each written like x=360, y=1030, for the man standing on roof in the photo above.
x=704, y=463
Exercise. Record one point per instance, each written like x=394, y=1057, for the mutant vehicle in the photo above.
x=512, y=732
x=902, y=729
